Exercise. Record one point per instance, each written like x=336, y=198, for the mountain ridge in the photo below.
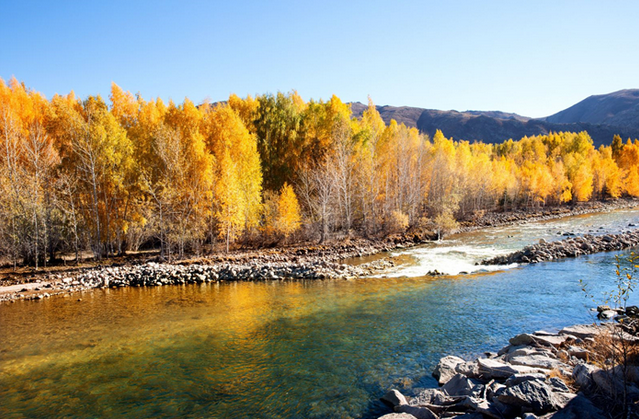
x=602, y=116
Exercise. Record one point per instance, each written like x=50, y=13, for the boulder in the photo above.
x=582, y=331
x=492, y=368
x=578, y=352
x=582, y=374
x=398, y=416
x=538, y=361
x=431, y=396
x=580, y=407
x=558, y=384
x=394, y=398
x=460, y=385
x=533, y=394
x=606, y=314
x=445, y=369
x=469, y=369
x=520, y=378
x=419, y=412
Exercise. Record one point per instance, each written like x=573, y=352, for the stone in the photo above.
x=606, y=314
x=632, y=311
x=558, y=384
x=431, y=396
x=394, y=398
x=533, y=394
x=538, y=361
x=420, y=412
x=582, y=331
x=582, y=374
x=492, y=368
x=445, y=369
x=578, y=352
x=520, y=378
x=493, y=409
x=460, y=385
x=523, y=339
x=469, y=369
x=398, y=416
x=580, y=407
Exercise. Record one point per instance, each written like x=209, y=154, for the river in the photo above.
x=291, y=349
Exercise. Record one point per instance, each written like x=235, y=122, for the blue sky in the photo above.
x=530, y=57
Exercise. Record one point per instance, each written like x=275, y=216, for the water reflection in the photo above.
x=307, y=349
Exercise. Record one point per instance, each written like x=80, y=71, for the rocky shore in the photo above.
x=317, y=262
x=568, y=248
x=497, y=219
x=539, y=375
x=296, y=262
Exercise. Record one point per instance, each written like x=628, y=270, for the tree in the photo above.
x=289, y=217
x=238, y=168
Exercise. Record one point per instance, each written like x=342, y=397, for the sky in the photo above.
x=533, y=58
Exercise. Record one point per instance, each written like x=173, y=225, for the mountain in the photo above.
x=617, y=109
x=601, y=116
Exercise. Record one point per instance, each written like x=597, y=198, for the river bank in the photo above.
x=539, y=375
x=568, y=248
x=283, y=263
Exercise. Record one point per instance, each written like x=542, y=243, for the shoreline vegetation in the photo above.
x=310, y=261
x=102, y=178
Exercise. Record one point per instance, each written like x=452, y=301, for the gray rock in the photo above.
x=431, y=396
x=493, y=409
x=578, y=408
x=578, y=352
x=558, y=384
x=520, y=378
x=582, y=374
x=582, y=331
x=398, y=416
x=538, y=361
x=474, y=415
x=534, y=394
x=469, y=369
x=445, y=369
x=394, y=398
x=606, y=314
x=460, y=385
x=420, y=412
x=523, y=339
x=492, y=368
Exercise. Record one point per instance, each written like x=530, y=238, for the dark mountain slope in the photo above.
x=617, y=109
x=495, y=126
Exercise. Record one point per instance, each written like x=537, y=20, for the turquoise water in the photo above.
x=303, y=349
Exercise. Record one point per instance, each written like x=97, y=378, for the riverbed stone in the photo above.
x=398, y=416
x=537, y=361
x=492, y=368
x=446, y=368
x=582, y=331
x=394, y=398
x=580, y=407
x=520, y=378
x=419, y=412
x=431, y=396
x=532, y=394
x=460, y=385
x=582, y=374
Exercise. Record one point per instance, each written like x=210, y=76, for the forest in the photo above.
x=80, y=175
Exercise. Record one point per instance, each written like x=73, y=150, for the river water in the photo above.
x=291, y=349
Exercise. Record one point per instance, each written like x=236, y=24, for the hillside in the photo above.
x=617, y=109
x=601, y=116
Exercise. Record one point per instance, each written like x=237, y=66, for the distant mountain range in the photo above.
x=602, y=116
